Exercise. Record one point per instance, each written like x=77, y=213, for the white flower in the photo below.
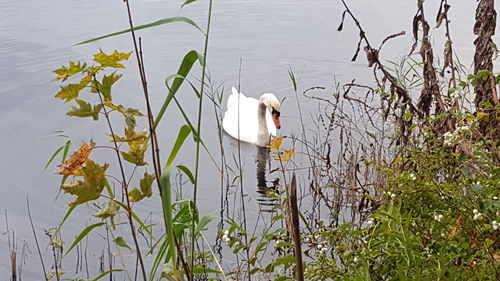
x=477, y=215
x=438, y=218
x=356, y=259
x=413, y=177
x=319, y=246
x=224, y=237
x=455, y=95
x=227, y=240
x=495, y=198
x=370, y=223
x=393, y=195
x=495, y=225
x=236, y=243
x=226, y=232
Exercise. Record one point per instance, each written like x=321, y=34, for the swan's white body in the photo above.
x=255, y=125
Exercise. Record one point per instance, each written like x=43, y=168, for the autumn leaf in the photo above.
x=64, y=72
x=109, y=211
x=105, y=87
x=136, y=195
x=457, y=226
x=135, y=154
x=111, y=60
x=276, y=142
x=90, y=187
x=146, y=183
x=128, y=113
x=285, y=155
x=76, y=160
x=85, y=110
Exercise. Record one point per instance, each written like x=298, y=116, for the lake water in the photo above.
x=268, y=37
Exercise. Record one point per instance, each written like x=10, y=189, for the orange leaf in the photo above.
x=276, y=142
x=455, y=229
x=76, y=160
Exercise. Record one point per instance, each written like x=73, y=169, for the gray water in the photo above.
x=268, y=37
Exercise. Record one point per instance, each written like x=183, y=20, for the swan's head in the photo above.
x=273, y=106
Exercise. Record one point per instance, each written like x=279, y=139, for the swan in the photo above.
x=258, y=119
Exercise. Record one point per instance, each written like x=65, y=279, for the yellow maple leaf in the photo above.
x=286, y=155
x=276, y=142
x=76, y=160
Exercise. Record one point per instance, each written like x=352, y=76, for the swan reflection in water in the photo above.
x=263, y=187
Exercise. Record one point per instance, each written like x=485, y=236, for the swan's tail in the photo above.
x=233, y=98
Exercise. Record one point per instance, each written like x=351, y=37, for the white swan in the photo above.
x=258, y=119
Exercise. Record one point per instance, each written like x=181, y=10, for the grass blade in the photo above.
x=187, y=172
x=166, y=198
x=187, y=63
x=52, y=157
x=181, y=137
x=82, y=235
x=152, y=24
x=106, y=273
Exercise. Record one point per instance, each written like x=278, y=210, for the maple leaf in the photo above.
x=109, y=211
x=111, y=60
x=276, y=142
x=85, y=110
x=135, y=154
x=91, y=186
x=128, y=113
x=136, y=195
x=105, y=87
x=66, y=72
x=285, y=155
x=71, y=91
x=76, y=160
x=146, y=183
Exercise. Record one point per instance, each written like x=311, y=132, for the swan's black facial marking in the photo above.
x=276, y=112
x=276, y=118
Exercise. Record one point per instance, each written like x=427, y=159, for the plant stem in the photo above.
x=124, y=183
x=198, y=140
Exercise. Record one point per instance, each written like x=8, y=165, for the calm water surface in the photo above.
x=267, y=36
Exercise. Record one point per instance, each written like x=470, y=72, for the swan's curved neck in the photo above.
x=263, y=135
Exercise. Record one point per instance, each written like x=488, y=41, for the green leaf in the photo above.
x=112, y=60
x=146, y=183
x=135, y=154
x=91, y=186
x=109, y=211
x=121, y=242
x=85, y=110
x=82, y=235
x=184, y=132
x=107, y=82
x=66, y=72
x=204, y=270
x=187, y=2
x=53, y=156
x=183, y=71
x=106, y=273
x=156, y=23
x=69, y=92
x=187, y=172
x=135, y=195
x=204, y=221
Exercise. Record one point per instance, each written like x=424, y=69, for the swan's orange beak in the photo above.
x=276, y=119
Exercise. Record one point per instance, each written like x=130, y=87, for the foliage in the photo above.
x=437, y=221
